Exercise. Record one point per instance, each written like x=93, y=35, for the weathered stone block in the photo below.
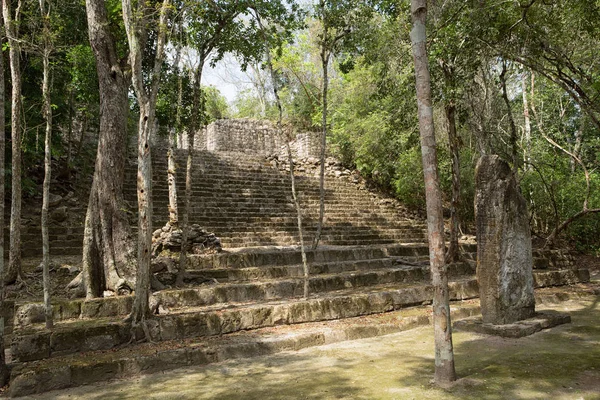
x=169, y=328
x=27, y=314
x=70, y=309
x=43, y=379
x=30, y=347
x=82, y=374
x=504, y=255
x=525, y=327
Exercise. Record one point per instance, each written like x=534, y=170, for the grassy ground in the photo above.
x=561, y=363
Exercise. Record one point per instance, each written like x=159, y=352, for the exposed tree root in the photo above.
x=143, y=323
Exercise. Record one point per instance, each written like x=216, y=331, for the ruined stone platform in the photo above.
x=84, y=368
x=526, y=327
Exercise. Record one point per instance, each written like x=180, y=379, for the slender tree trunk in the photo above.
x=513, y=127
x=290, y=158
x=11, y=22
x=197, y=115
x=452, y=254
x=527, y=127
x=70, y=131
x=82, y=128
x=147, y=101
x=305, y=269
x=325, y=62
x=173, y=133
x=578, y=143
x=172, y=181
x=47, y=110
x=108, y=247
x=444, y=354
x=4, y=373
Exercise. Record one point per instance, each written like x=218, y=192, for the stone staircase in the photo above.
x=244, y=295
x=369, y=277
x=247, y=203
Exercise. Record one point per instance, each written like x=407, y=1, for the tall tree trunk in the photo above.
x=452, y=254
x=444, y=354
x=527, y=127
x=513, y=127
x=71, y=104
x=287, y=139
x=47, y=110
x=197, y=115
x=172, y=180
x=4, y=373
x=325, y=54
x=174, y=132
x=305, y=269
x=82, y=127
x=108, y=247
x=146, y=96
x=11, y=24
x=578, y=143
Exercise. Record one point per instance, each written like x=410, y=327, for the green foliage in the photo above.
x=247, y=105
x=215, y=104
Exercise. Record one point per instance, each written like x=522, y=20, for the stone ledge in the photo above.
x=542, y=320
x=103, y=334
x=85, y=368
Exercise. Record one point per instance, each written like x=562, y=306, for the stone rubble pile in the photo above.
x=312, y=166
x=168, y=239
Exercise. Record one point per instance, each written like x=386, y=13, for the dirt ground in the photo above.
x=560, y=363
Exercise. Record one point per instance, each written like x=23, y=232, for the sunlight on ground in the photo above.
x=562, y=363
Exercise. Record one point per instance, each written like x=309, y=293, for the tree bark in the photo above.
x=444, y=354
x=197, y=113
x=146, y=96
x=47, y=111
x=527, y=121
x=513, y=127
x=108, y=247
x=452, y=254
x=4, y=373
x=11, y=23
x=325, y=55
x=173, y=133
x=290, y=158
x=172, y=180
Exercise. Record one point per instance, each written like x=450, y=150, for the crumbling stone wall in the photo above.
x=199, y=140
x=248, y=135
x=241, y=135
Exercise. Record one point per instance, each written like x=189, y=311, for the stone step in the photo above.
x=264, y=284
x=284, y=238
x=245, y=258
x=257, y=188
x=30, y=378
x=232, y=204
x=86, y=368
x=288, y=288
x=289, y=271
x=245, y=265
x=70, y=337
x=218, y=198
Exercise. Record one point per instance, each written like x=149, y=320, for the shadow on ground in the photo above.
x=561, y=363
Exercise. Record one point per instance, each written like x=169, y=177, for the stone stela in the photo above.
x=504, y=257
